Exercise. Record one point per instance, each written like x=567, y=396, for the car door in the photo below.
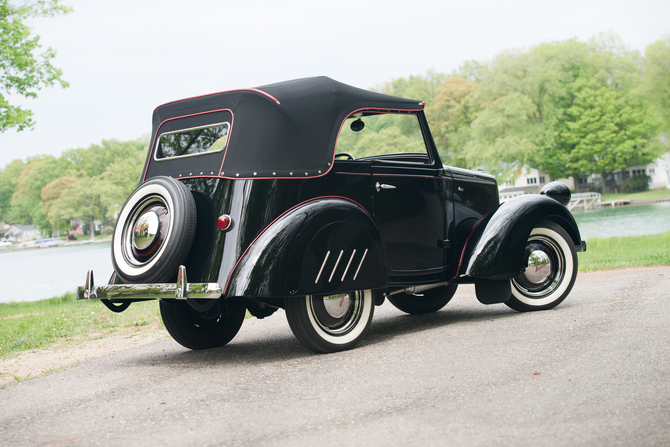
x=410, y=209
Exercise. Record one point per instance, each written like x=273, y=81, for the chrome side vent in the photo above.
x=321, y=269
x=348, y=264
x=336, y=264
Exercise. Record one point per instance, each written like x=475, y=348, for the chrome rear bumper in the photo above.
x=181, y=290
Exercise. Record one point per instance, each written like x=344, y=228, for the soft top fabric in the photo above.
x=283, y=130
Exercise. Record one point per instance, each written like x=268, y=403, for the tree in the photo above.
x=657, y=80
x=80, y=200
x=119, y=180
x=606, y=131
x=25, y=202
x=22, y=72
x=422, y=88
x=450, y=114
x=9, y=178
x=95, y=159
x=50, y=194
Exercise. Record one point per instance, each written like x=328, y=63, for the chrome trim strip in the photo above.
x=361, y=263
x=336, y=264
x=322, y=266
x=348, y=264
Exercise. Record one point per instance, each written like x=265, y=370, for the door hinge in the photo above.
x=446, y=243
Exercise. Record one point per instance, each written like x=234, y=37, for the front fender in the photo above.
x=498, y=251
x=325, y=245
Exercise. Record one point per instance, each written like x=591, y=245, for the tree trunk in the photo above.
x=603, y=180
x=92, y=227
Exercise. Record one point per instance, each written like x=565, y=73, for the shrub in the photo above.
x=636, y=183
x=107, y=231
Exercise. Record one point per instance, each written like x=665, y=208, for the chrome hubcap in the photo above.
x=539, y=267
x=337, y=314
x=145, y=230
x=545, y=268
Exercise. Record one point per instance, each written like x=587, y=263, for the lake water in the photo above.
x=47, y=272
x=29, y=275
x=623, y=220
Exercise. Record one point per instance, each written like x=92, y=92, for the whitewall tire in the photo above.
x=330, y=323
x=551, y=270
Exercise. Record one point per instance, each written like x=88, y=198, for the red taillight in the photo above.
x=224, y=223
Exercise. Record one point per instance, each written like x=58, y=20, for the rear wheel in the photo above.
x=201, y=330
x=425, y=302
x=330, y=323
x=551, y=270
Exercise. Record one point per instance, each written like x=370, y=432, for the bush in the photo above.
x=636, y=183
x=107, y=231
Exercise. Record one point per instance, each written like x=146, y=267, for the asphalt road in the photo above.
x=595, y=371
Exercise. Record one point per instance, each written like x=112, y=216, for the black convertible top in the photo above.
x=283, y=130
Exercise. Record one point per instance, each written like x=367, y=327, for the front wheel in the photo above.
x=201, y=330
x=551, y=270
x=330, y=323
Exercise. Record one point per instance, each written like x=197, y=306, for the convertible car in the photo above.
x=323, y=200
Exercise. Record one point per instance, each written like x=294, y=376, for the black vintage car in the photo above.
x=324, y=200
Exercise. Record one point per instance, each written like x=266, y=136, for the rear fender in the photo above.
x=325, y=245
x=496, y=247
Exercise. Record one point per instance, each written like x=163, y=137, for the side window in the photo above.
x=393, y=137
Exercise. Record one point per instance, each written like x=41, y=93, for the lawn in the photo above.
x=625, y=252
x=662, y=193
x=36, y=324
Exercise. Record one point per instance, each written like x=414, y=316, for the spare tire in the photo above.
x=154, y=232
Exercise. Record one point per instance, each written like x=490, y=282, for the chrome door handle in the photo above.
x=380, y=186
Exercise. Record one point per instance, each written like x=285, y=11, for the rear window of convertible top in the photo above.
x=188, y=142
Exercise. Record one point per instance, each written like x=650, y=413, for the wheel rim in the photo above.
x=337, y=314
x=545, y=268
x=145, y=230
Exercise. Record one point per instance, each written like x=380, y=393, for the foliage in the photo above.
x=86, y=184
x=568, y=108
x=22, y=71
x=382, y=134
x=605, y=131
x=9, y=178
x=25, y=202
x=636, y=183
x=451, y=114
x=657, y=80
x=51, y=194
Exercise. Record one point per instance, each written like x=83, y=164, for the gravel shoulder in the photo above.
x=73, y=350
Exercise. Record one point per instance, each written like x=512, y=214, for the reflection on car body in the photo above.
x=324, y=200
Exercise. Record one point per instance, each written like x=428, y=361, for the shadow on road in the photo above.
x=277, y=344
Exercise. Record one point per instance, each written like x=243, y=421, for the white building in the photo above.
x=527, y=181
x=20, y=233
x=531, y=181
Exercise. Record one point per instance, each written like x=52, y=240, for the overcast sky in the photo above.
x=126, y=57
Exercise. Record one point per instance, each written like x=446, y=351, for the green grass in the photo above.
x=661, y=193
x=625, y=252
x=37, y=324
